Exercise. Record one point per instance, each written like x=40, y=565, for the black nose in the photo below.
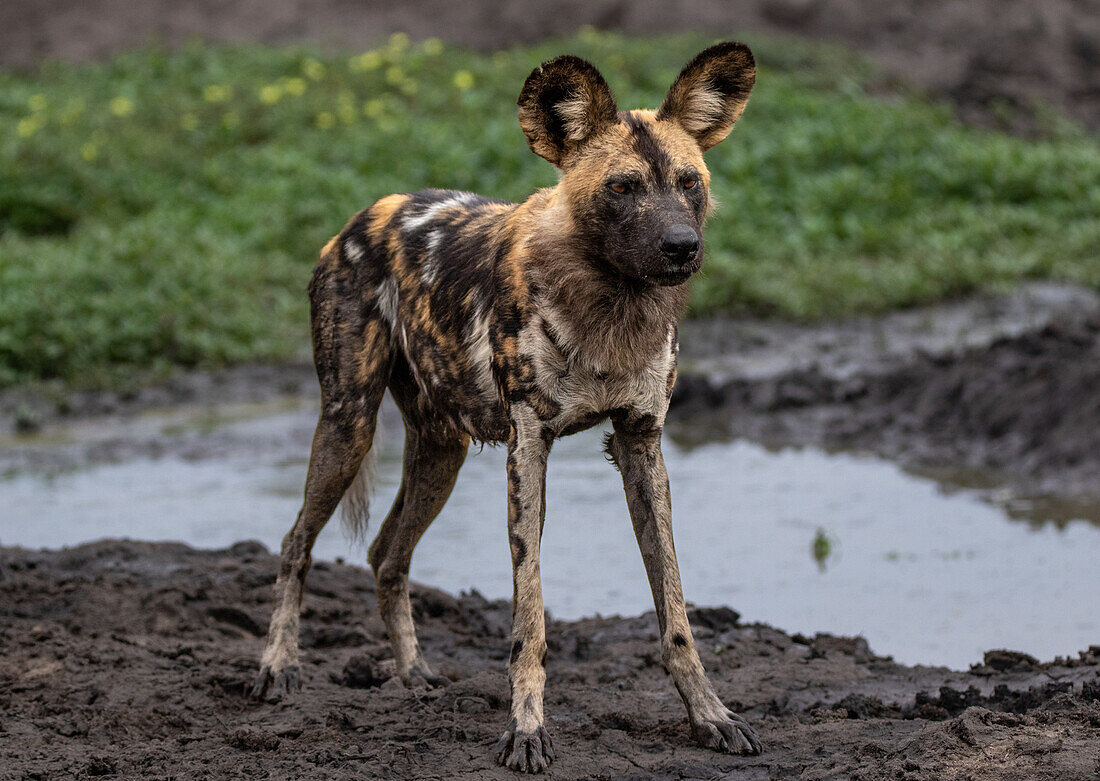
x=680, y=243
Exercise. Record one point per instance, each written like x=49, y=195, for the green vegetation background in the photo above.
x=165, y=209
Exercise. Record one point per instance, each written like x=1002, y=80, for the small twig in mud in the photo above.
x=628, y=758
x=390, y=763
x=434, y=731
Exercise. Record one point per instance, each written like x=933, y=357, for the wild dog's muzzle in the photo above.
x=680, y=248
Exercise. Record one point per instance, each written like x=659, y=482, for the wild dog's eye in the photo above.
x=619, y=187
x=689, y=182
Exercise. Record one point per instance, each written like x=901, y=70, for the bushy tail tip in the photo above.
x=355, y=506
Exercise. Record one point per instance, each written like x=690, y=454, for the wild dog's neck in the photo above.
x=614, y=326
x=612, y=323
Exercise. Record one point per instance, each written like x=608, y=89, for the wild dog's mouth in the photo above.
x=672, y=277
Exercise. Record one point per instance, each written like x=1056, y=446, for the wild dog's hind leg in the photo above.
x=431, y=467
x=351, y=350
x=636, y=450
x=525, y=744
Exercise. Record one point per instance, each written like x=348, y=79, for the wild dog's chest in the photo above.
x=570, y=390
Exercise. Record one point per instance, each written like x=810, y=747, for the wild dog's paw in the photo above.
x=274, y=685
x=527, y=752
x=727, y=732
x=420, y=679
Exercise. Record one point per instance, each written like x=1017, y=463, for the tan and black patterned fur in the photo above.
x=518, y=324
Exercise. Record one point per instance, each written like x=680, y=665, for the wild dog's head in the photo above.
x=635, y=180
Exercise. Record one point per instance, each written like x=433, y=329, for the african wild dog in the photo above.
x=521, y=323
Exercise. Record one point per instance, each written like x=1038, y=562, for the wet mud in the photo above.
x=998, y=393
x=132, y=660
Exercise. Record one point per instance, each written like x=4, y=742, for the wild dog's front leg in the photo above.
x=636, y=449
x=525, y=744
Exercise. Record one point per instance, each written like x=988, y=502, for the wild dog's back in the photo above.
x=423, y=262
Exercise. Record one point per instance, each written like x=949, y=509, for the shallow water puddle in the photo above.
x=801, y=539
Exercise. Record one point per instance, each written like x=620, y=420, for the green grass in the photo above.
x=165, y=209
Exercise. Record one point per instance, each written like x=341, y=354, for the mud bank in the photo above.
x=998, y=392
x=992, y=59
x=129, y=659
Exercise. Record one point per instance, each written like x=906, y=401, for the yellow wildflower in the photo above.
x=89, y=151
x=121, y=106
x=345, y=107
x=313, y=69
x=409, y=87
x=398, y=42
x=464, y=80
x=394, y=75
x=367, y=61
x=189, y=121
x=374, y=108
x=325, y=120
x=433, y=47
x=28, y=126
x=296, y=86
x=271, y=94
x=37, y=102
x=217, y=93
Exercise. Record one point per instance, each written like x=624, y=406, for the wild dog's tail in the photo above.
x=355, y=506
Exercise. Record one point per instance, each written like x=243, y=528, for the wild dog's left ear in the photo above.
x=564, y=102
x=711, y=92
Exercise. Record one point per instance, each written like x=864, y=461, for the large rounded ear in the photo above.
x=564, y=102
x=711, y=92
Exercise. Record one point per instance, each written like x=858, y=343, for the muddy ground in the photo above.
x=995, y=392
x=130, y=659
x=992, y=58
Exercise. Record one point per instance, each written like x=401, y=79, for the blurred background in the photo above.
x=887, y=421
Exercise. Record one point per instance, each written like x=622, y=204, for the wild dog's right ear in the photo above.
x=711, y=92
x=564, y=102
